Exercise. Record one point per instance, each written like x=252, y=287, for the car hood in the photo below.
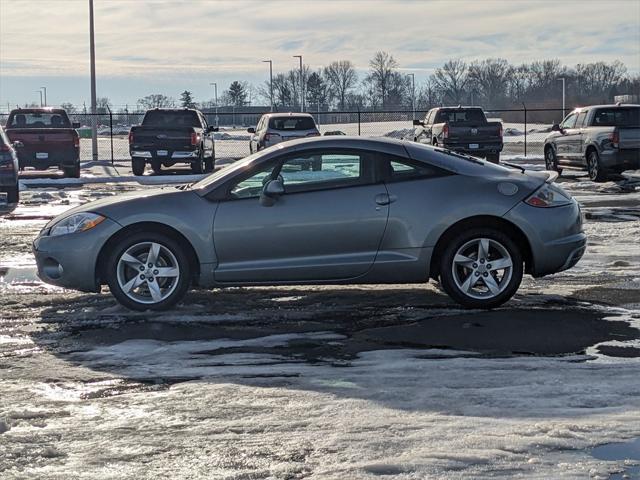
x=126, y=201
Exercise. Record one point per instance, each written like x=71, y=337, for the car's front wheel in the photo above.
x=481, y=268
x=148, y=271
x=550, y=159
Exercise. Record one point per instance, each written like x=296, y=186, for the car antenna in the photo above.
x=513, y=165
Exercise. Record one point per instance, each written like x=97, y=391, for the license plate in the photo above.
x=42, y=155
x=473, y=146
x=4, y=198
x=162, y=153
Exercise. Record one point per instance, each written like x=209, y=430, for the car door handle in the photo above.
x=385, y=199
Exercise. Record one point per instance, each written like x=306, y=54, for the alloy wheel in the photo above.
x=482, y=268
x=148, y=272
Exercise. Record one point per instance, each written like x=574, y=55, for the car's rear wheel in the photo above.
x=137, y=166
x=72, y=172
x=596, y=172
x=209, y=164
x=156, y=166
x=197, y=166
x=493, y=157
x=148, y=271
x=481, y=268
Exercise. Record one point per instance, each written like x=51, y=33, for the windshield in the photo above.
x=39, y=120
x=292, y=123
x=180, y=118
x=474, y=115
x=617, y=117
x=231, y=169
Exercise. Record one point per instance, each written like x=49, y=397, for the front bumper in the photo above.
x=555, y=236
x=70, y=261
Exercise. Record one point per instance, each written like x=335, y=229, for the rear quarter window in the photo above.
x=617, y=117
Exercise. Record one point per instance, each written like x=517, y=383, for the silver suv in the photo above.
x=279, y=127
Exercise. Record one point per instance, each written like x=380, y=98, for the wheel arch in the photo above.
x=481, y=221
x=155, y=227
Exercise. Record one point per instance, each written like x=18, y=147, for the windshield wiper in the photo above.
x=513, y=165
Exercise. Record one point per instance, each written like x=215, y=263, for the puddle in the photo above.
x=18, y=276
x=627, y=452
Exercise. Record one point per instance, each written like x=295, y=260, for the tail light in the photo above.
x=130, y=137
x=615, y=138
x=500, y=131
x=445, y=131
x=76, y=140
x=314, y=134
x=195, y=138
x=549, y=195
x=271, y=136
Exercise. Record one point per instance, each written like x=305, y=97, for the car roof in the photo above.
x=614, y=105
x=39, y=110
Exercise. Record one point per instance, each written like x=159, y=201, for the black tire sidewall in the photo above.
x=138, y=165
x=122, y=245
x=446, y=275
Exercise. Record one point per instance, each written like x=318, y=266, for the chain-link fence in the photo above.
x=524, y=129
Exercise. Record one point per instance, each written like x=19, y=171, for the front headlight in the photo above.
x=80, y=222
x=549, y=195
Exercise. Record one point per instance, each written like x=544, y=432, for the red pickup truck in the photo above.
x=45, y=138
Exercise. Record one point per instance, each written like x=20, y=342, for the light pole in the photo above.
x=413, y=95
x=301, y=84
x=270, y=62
x=215, y=96
x=92, y=54
x=45, y=95
x=563, y=95
x=40, y=92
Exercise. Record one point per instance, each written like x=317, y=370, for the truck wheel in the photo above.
x=72, y=172
x=13, y=194
x=493, y=157
x=137, y=165
x=148, y=270
x=209, y=164
x=596, y=172
x=198, y=166
x=156, y=166
x=481, y=268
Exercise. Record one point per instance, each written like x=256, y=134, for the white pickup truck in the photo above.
x=604, y=139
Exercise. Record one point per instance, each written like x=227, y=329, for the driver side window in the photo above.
x=569, y=122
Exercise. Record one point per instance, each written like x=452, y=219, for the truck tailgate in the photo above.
x=162, y=137
x=489, y=132
x=629, y=138
x=42, y=138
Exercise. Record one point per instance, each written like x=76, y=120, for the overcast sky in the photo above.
x=167, y=46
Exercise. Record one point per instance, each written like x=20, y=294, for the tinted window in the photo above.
x=460, y=116
x=617, y=117
x=159, y=118
x=39, y=120
x=292, y=123
x=570, y=121
x=396, y=169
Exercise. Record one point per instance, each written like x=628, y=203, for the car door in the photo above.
x=567, y=138
x=326, y=226
x=207, y=136
x=577, y=146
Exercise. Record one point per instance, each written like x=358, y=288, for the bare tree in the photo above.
x=68, y=107
x=381, y=69
x=452, y=80
x=342, y=77
x=156, y=100
x=490, y=79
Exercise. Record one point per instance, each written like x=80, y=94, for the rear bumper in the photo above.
x=150, y=154
x=59, y=158
x=620, y=159
x=555, y=236
x=483, y=148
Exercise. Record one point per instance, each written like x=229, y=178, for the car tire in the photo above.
x=209, y=165
x=250, y=148
x=198, y=166
x=597, y=173
x=493, y=158
x=72, y=172
x=139, y=287
x=156, y=166
x=13, y=193
x=550, y=159
x=138, y=165
x=475, y=283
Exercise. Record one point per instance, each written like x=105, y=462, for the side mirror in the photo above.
x=418, y=122
x=271, y=191
x=251, y=130
x=75, y=125
x=17, y=144
x=212, y=129
x=555, y=127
